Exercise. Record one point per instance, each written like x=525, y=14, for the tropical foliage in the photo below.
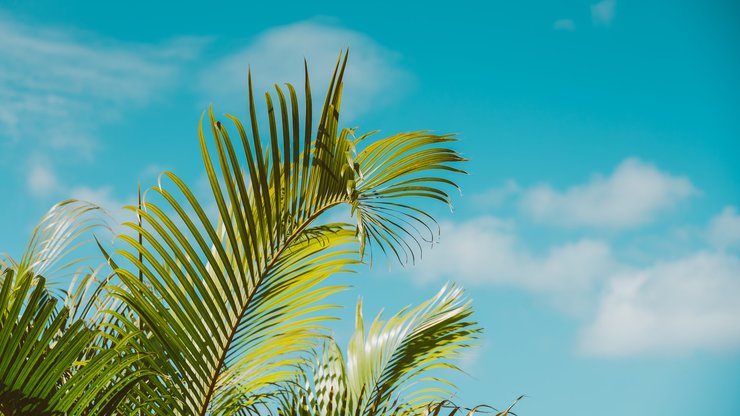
x=388, y=359
x=217, y=305
x=55, y=359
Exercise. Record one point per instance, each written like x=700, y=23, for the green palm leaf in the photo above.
x=229, y=306
x=386, y=360
x=49, y=361
x=61, y=232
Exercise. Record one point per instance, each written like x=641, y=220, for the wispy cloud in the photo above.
x=564, y=24
x=44, y=183
x=41, y=178
x=102, y=196
x=631, y=196
x=374, y=75
x=497, y=196
x=58, y=86
x=602, y=13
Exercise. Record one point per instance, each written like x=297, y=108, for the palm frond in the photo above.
x=436, y=409
x=229, y=305
x=392, y=356
x=61, y=232
x=47, y=365
x=392, y=172
x=52, y=360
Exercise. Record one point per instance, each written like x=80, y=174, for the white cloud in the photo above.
x=630, y=305
x=102, y=196
x=724, y=229
x=43, y=182
x=486, y=250
x=495, y=197
x=633, y=195
x=41, y=179
x=58, y=86
x=671, y=307
x=602, y=13
x=276, y=56
x=564, y=24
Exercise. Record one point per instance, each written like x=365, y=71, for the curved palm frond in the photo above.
x=324, y=392
x=62, y=231
x=393, y=356
x=391, y=171
x=46, y=369
x=49, y=361
x=436, y=409
x=229, y=306
x=52, y=251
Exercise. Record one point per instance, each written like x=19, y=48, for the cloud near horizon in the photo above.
x=675, y=302
x=672, y=306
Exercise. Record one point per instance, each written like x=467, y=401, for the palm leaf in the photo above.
x=61, y=232
x=49, y=363
x=229, y=305
x=436, y=409
x=391, y=357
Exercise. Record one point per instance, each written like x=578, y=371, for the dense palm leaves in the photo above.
x=50, y=366
x=56, y=360
x=218, y=300
x=383, y=363
x=231, y=306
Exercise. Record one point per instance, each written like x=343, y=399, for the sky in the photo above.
x=598, y=230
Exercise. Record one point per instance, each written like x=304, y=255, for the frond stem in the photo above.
x=235, y=327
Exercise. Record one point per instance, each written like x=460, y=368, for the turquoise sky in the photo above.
x=598, y=231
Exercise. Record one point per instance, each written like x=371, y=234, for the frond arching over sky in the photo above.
x=598, y=232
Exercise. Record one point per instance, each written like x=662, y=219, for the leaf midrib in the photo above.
x=237, y=322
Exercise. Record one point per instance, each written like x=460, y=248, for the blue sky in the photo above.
x=598, y=231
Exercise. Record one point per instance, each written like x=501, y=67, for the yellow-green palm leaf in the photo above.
x=389, y=366
x=51, y=358
x=230, y=305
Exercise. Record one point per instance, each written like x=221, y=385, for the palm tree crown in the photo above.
x=218, y=314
